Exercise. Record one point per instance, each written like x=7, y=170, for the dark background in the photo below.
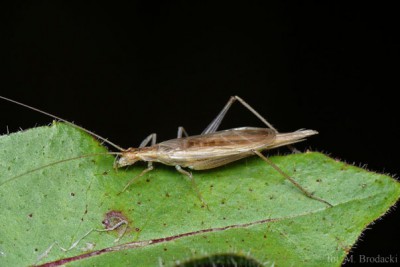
x=125, y=71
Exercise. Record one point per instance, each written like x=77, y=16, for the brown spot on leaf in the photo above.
x=112, y=218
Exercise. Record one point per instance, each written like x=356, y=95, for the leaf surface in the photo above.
x=253, y=211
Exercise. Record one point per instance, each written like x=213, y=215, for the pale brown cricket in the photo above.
x=208, y=150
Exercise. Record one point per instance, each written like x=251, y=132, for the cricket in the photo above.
x=211, y=149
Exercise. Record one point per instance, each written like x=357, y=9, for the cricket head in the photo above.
x=128, y=157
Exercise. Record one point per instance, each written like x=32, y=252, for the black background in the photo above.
x=125, y=71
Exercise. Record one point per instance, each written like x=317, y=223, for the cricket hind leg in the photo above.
x=153, y=138
x=213, y=126
x=307, y=193
x=194, y=185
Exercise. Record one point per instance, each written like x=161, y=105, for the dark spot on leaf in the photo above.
x=265, y=236
x=148, y=180
x=164, y=224
x=105, y=173
x=72, y=194
x=139, y=203
x=36, y=249
x=137, y=229
x=165, y=249
x=251, y=189
x=30, y=215
x=167, y=195
x=223, y=201
x=223, y=218
x=318, y=180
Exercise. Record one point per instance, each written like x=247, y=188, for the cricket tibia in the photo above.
x=283, y=139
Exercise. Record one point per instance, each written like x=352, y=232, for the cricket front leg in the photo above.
x=153, y=138
x=149, y=168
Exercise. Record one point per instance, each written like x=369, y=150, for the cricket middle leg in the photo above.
x=194, y=185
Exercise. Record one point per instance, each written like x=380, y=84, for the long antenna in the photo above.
x=55, y=163
x=68, y=122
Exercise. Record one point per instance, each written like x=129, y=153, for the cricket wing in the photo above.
x=219, y=144
x=205, y=164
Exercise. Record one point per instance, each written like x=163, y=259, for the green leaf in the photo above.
x=254, y=213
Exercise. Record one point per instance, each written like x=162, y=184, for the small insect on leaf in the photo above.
x=208, y=150
x=260, y=223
